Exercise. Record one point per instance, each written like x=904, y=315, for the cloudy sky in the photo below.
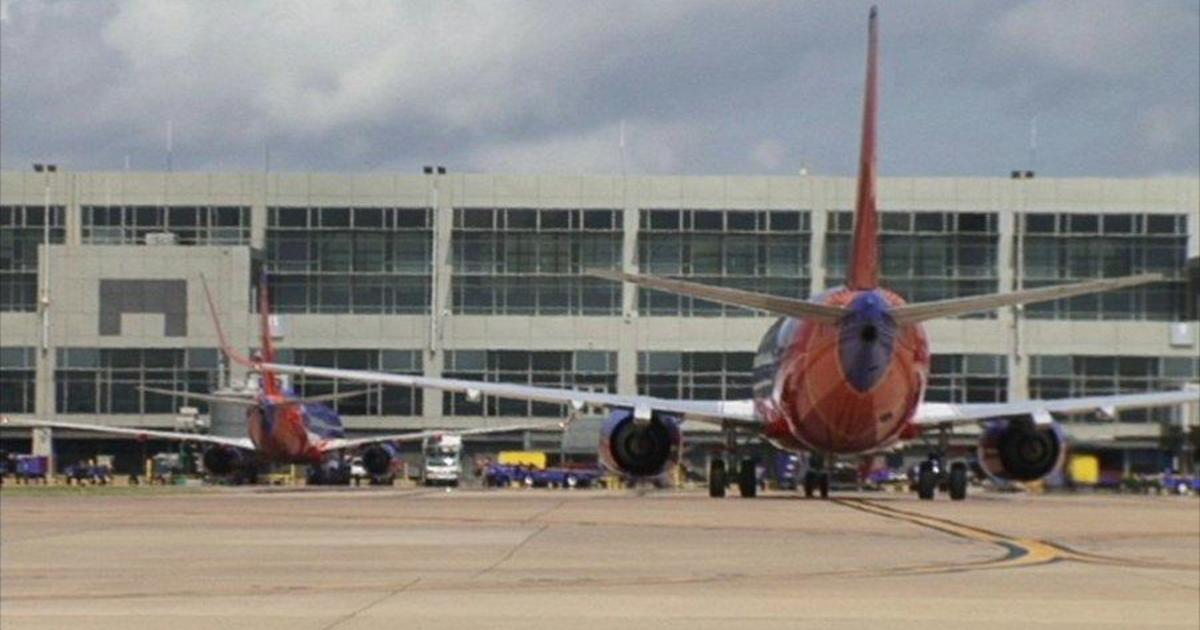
x=541, y=87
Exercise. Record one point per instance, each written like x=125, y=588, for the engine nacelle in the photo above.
x=377, y=459
x=640, y=449
x=1019, y=450
x=223, y=460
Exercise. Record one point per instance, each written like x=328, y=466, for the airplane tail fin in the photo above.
x=270, y=381
x=226, y=349
x=863, y=271
x=266, y=342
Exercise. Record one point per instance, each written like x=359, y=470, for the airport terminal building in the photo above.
x=482, y=277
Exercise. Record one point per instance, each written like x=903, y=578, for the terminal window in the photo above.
x=107, y=380
x=696, y=375
x=1063, y=376
x=753, y=250
x=189, y=225
x=527, y=261
x=349, y=260
x=377, y=399
x=590, y=370
x=1058, y=248
x=968, y=378
x=18, y=379
x=924, y=256
x=22, y=230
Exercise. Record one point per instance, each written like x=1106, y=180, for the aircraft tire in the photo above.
x=716, y=478
x=810, y=484
x=748, y=479
x=823, y=484
x=958, y=481
x=926, y=481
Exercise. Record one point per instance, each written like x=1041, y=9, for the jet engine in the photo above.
x=377, y=459
x=640, y=448
x=1019, y=450
x=223, y=460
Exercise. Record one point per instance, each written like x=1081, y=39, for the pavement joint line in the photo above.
x=511, y=552
x=373, y=603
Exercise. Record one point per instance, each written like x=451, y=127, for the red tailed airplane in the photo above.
x=283, y=428
x=841, y=374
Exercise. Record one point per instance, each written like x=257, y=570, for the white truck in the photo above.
x=443, y=460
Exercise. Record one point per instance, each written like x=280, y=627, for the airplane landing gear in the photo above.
x=958, y=481
x=816, y=480
x=927, y=479
x=716, y=478
x=748, y=478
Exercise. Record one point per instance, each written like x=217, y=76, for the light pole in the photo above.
x=42, y=438
x=44, y=297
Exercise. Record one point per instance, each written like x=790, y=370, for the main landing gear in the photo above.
x=719, y=476
x=931, y=474
x=716, y=478
x=816, y=479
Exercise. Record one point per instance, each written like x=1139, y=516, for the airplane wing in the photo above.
x=417, y=436
x=944, y=414
x=739, y=412
x=242, y=443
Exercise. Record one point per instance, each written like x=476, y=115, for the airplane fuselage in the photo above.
x=849, y=387
x=291, y=432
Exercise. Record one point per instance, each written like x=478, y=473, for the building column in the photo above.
x=1009, y=257
x=818, y=226
x=258, y=211
x=439, y=192
x=627, y=362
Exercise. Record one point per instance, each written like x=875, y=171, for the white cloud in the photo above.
x=649, y=149
x=770, y=154
x=1105, y=38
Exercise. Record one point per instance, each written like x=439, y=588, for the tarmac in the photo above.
x=532, y=559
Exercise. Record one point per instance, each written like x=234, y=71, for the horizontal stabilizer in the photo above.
x=247, y=401
x=787, y=307
x=244, y=401
x=912, y=313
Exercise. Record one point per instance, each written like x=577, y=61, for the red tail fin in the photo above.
x=266, y=345
x=864, y=249
x=228, y=350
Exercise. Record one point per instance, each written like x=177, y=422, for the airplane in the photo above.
x=282, y=428
x=841, y=374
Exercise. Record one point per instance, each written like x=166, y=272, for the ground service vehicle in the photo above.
x=442, y=464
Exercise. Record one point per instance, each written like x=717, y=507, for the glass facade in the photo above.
x=925, y=256
x=968, y=378
x=191, y=225
x=377, y=400
x=696, y=375
x=522, y=261
x=349, y=260
x=590, y=370
x=22, y=229
x=1062, y=376
x=1062, y=248
x=18, y=379
x=106, y=380
x=753, y=250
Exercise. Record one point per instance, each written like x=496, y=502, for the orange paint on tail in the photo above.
x=863, y=273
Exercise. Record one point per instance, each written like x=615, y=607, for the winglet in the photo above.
x=863, y=273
